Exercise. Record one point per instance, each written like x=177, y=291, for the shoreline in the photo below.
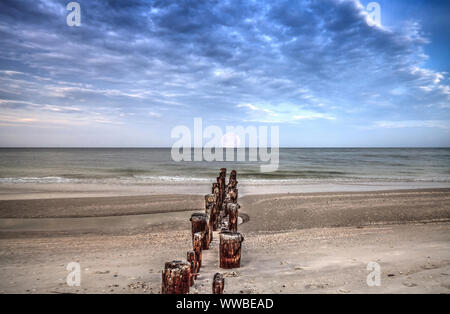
x=126, y=205
x=24, y=191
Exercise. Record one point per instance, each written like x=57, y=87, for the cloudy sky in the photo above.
x=134, y=70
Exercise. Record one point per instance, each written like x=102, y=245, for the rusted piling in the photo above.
x=176, y=277
x=208, y=234
x=232, y=191
x=197, y=247
x=215, y=189
x=232, y=182
x=230, y=249
x=200, y=223
x=218, y=284
x=225, y=203
x=222, y=185
x=233, y=213
x=192, y=259
x=211, y=210
x=232, y=195
x=210, y=199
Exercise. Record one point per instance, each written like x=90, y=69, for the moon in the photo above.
x=231, y=140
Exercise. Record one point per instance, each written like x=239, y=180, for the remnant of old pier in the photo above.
x=221, y=213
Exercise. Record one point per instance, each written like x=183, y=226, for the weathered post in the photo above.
x=192, y=259
x=210, y=199
x=176, y=277
x=200, y=223
x=214, y=220
x=233, y=213
x=232, y=182
x=230, y=249
x=218, y=284
x=232, y=191
x=221, y=183
x=208, y=234
x=225, y=203
x=197, y=246
x=211, y=209
x=232, y=195
x=215, y=189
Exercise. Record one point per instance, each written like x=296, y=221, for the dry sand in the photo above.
x=294, y=243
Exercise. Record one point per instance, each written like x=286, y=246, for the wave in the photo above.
x=37, y=180
x=252, y=179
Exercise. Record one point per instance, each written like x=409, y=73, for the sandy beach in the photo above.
x=294, y=243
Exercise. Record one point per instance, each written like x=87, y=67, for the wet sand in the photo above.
x=294, y=243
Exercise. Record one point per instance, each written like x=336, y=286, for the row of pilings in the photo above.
x=221, y=214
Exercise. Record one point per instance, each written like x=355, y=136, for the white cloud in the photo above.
x=249, y=106
x=155, y=114
x=440, y=124
x=283, y=113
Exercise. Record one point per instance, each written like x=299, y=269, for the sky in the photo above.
x=134, y=70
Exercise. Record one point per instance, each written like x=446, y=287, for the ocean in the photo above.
x=154, y=165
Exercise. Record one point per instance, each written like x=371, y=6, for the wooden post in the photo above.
x=176, y=277
x=222, y=221
x=233, y=195
x=218, y=284
x=200, y=223
x=232, y=182
x=221, y=183
x=225, y=203
x=214, y=220
x=232, y=191
x=197, y=246
x=192, y=259
x=211, y=209
x=230, y=249
x=233, y=212
x=215, y=189
x=208, y=234
x=210, y=199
